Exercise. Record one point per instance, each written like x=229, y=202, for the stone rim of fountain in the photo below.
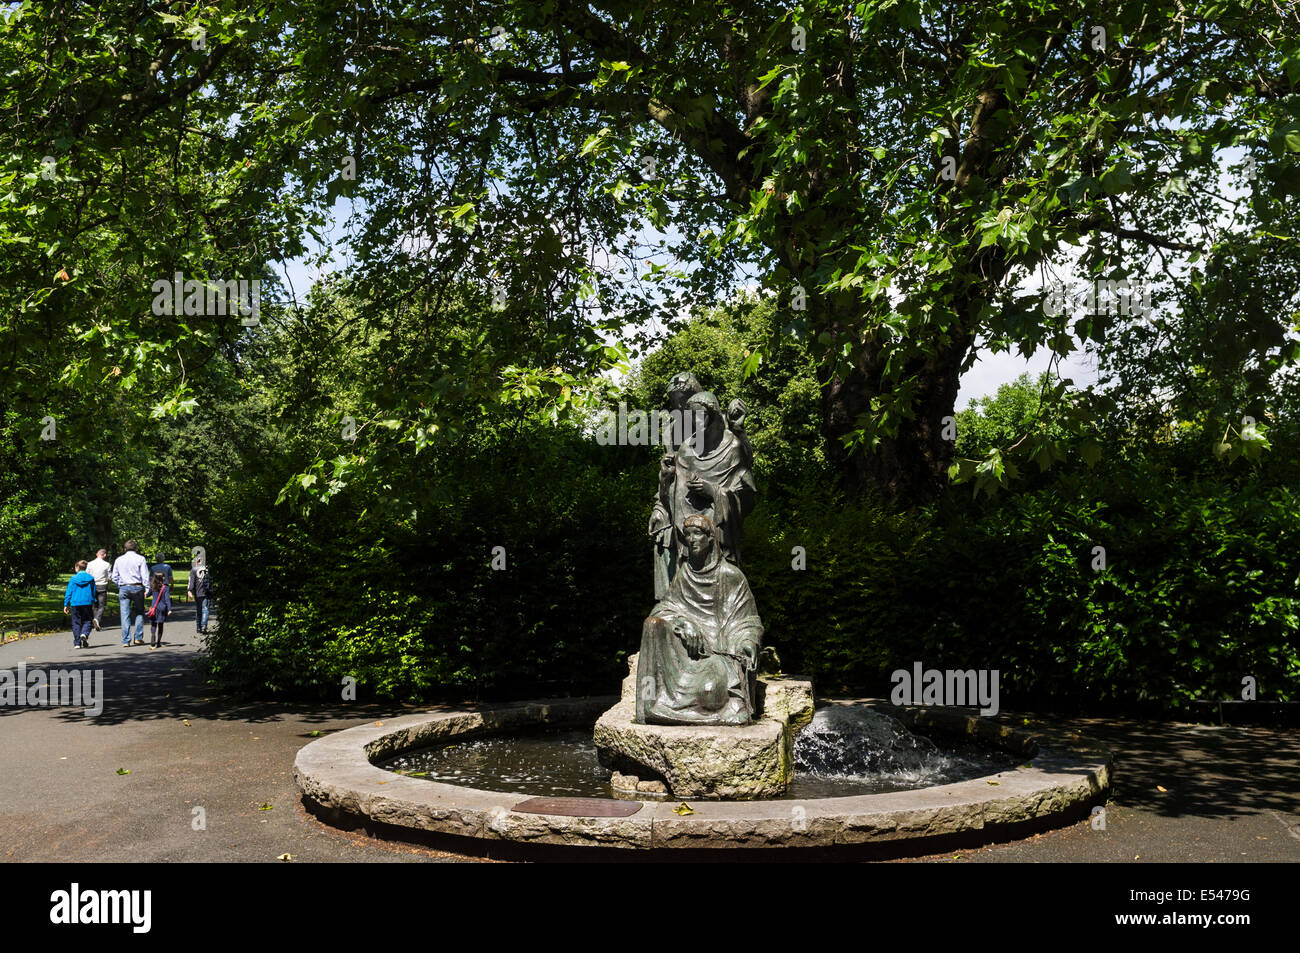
x=337, y=774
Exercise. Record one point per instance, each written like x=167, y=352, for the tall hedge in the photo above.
x=408, y=604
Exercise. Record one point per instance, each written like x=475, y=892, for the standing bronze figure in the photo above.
x=707, y=470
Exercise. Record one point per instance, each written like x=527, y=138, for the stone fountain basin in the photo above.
x=338, y=778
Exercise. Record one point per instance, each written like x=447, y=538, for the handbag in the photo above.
x=156, y=599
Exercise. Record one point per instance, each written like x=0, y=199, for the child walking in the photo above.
x=160, y=610
x=80, y=598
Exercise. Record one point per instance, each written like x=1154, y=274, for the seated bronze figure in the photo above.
x=700, y=645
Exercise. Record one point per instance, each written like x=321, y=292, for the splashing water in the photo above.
x=861, y=743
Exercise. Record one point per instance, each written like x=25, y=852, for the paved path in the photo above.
x=1231, y=794
x=1181, y=793
x=61, y=798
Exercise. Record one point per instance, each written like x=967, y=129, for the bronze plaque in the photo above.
x=578, y=806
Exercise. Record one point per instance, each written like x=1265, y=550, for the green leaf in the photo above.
x=596, y=142
x=1118, y=180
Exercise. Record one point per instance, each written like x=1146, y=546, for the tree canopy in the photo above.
x=895, y=173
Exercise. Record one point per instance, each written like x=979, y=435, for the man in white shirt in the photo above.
x=131, y=573
x=100, y=567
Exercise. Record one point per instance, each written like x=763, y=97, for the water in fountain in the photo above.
x=849, y=743
x=843, y=751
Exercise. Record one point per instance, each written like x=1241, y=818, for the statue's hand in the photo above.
x=736, y=411
x=749, y=653
x=703, y=487
x=659, y=521
x=690, y=636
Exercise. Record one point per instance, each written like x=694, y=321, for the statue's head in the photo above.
x=705, y=401
x=706, y=421
x=701, y=537
x=680, y=389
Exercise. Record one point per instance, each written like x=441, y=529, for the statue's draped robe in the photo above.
x=665, y=547
x=718, y=687
x=728, y=467
x=661, y=521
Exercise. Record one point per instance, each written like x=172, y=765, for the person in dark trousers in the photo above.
x=200, y=590
x=162, y=567
x=100, y=568
x=80, y=598
x=160, y=609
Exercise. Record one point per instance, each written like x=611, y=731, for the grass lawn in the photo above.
x=41, y=610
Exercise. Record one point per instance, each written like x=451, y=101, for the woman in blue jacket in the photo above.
x=80, y=598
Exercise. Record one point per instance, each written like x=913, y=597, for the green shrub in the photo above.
x=409, y=605
x=1200, y=588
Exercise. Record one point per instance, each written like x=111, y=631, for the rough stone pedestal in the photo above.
x=706, y=761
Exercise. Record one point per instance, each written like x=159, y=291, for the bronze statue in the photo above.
x=707, y=470
x=700, y=645
x=710, y=477
x=680, y=389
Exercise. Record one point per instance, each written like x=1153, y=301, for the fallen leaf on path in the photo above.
x=123, y=771
x=683, y=809
x=995, y=782
x=186, y=722
x=265, y=807
x=1161, y=790
x=285, y=857
x=315, y=734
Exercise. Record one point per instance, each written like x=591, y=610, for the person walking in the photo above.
x=80, y=598
x=162, y=567
x=161, y=608
x=100, y=567
x=131, y=573
x=199, y=589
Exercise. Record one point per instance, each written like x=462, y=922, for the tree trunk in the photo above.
x=911, y=467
